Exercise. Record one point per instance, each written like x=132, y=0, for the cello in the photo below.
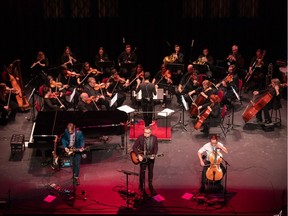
x=202, y=117
x=17, y=85
x=214, y=172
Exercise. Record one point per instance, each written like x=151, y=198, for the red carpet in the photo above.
x=163, y=133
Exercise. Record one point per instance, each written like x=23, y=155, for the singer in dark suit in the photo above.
x=146, y=148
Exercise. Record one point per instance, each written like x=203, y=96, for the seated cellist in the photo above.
x=212, y=110
x=207, y=154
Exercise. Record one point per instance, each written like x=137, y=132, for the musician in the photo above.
x=101, y=57
x=127, y=61
x=163, y=79
x=275, y=102
x=86, y=72
x=74, y=138
x=148, y=89
x=214, y=116
x=235, y=58
x=8, y=105
x=69, y=80
x=229, y=86
x=177, y=58
x=115, y=85
x=205, y=58
x=39, y=69
x=188, y=83
x=68, y=58
x=95, y=90
x=52, y=101
x=146, y=144
x=205, y=154
x=256, y=76
x=203, y=96
x=5, y=76
x=86, y=103
x=58, y=89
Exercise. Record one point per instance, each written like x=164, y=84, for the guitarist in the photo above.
x=146, y=144
x=74, y=139
x=204, y=156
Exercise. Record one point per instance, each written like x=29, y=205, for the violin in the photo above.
x=72, y=74
x=99, y=86
x=94, y=71
x=54, y=84
x=91, y=99
x=227, y=79
x=167, y=75
x=54, y=95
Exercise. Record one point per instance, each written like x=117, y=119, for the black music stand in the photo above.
x=181, y=119
x=104, y=64
x=201, y=69
x=128, y=110
x=127, y=173
x=174, y=67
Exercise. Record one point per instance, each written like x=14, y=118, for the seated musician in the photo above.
x=255, y=78
x=8, y=105
x=177, y=57
x=163, y=79
x=205, y=58
x=58, y=89
x=38, y=69
x=101, y=57
x=127, y=61
x=95, y=90
x=206, y=155
x=229, y=86
x=68, y=58
x=52, y=101
x=188, y=83
x=214, y=117
x=115, y=85
x=86, y=72
x=69, y=80
x=203, y=96
x=274, y=103
x=86, y=103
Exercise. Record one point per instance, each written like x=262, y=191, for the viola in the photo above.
x=214, y=172
x=167, y=75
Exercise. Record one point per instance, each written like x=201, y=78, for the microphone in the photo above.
x=123, y=40
x=168, y=43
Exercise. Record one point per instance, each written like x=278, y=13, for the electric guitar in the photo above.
x=73, y=150
x=136, y=161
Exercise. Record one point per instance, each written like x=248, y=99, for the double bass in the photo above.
x=214, y=172
x=17, y=85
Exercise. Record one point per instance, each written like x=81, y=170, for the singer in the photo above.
x=210, y=158
x=146, y=147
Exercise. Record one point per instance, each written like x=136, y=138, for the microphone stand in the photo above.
x=32, y=116
x=225, y=186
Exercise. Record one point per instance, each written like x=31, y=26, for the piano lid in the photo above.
x=54, y=122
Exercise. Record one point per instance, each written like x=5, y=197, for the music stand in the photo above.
x=128, y=110
x=174, y=67
x=202, y=69
x=127, y=173
x=181, y=119
x=128, y=66
x=32, y=116
x=104, y=64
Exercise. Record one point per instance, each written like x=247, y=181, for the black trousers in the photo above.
x=147, y=108
x=143, y=166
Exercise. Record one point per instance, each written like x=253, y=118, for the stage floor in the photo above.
x=256, y=177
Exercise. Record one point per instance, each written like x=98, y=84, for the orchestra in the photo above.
x=71, y=88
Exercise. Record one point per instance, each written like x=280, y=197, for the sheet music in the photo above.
x=126, y=109
x=185, y=104
x=113, y=100
x=166, y=112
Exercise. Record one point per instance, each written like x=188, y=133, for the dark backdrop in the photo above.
x=152, y=28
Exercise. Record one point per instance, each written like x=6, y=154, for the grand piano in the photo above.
x=92, y=123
